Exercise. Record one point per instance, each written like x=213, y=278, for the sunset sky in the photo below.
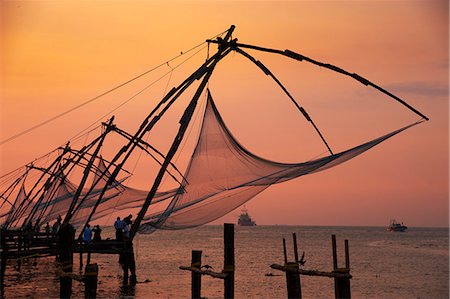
x=56, y=55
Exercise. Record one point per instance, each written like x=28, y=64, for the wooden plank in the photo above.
x=220, y=275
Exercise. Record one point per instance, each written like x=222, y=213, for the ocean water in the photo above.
x=414, y=264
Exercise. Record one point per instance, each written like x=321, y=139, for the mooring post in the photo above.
x=293, y=280
x=125, y=263
x=132, y=263
x=344, y=282
x=335, y=265
x=296, y=276
x=66, y=236
x=284, y=251
x=196, y=262
x=347, y=266
x=228, y=267
x=333, y=246
x=347, y=256
x=341, y=284
x=90, y=280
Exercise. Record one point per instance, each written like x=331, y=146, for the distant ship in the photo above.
x=245, y=219
x=396, y=227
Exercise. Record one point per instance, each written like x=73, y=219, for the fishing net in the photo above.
x=223, y=175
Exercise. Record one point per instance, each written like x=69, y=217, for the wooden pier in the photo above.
x=18, y=245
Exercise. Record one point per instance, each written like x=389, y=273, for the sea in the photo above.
x=413, y=264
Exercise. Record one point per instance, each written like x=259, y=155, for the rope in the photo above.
x=101, y=95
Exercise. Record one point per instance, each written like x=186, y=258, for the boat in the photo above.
x=396, y=227
x=245, y=219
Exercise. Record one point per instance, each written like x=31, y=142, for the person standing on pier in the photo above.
x=56, y=225
x=119, y=225
x=87, y=235
x=97, y=230
x=127, y=225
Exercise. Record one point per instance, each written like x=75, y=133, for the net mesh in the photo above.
x=223, y=175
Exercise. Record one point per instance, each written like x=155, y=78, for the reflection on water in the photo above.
x=384, y=265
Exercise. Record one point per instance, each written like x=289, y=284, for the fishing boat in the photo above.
x=245, y=219
x=396, y=227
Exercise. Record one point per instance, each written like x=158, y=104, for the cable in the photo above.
x=98, y=96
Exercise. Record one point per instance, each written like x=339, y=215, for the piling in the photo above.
x=132, y=263
x=128, y=263
x=341, y=283
x=66, y=236
x=229, y=260
x=196, y=277
x=90, y=281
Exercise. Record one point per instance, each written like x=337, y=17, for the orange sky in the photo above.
x=57, y=54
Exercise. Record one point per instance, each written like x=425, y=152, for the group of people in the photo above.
x=87, y=234
x=123, y=227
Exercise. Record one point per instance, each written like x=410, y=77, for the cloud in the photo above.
x=434, y=89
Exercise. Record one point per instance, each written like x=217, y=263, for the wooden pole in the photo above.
x=196, y=277
x=335, y=265
x=344, y=283
x=125, y=264
x=229, y=260
x=294, y=239
x=90, y=281
x=293, y=280
x=131, y=263
x=284, y=251
x=333, y=245
x=66, y=241
x=347, y=256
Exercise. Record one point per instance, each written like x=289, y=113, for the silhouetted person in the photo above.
x=97, y=230
x=126, y=229
x=119, y=225
x=128, y=220
x=56, y=225
x=87, y=234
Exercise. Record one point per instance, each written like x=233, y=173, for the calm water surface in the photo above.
x=414, y=264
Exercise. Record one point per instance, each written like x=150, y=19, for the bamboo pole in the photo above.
x=196, y=277
x=229, y=260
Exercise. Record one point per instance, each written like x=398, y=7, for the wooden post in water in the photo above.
x=341, y=284
x=66, y=236
x=90, y=281
x=291, y=271
x=131, y=263
x=335, y=265
x=128, y=262
x=293, y=280
x=125, y=263
x=347, y=266
x=284, y=251
x=228, y=266
x=196, y=277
